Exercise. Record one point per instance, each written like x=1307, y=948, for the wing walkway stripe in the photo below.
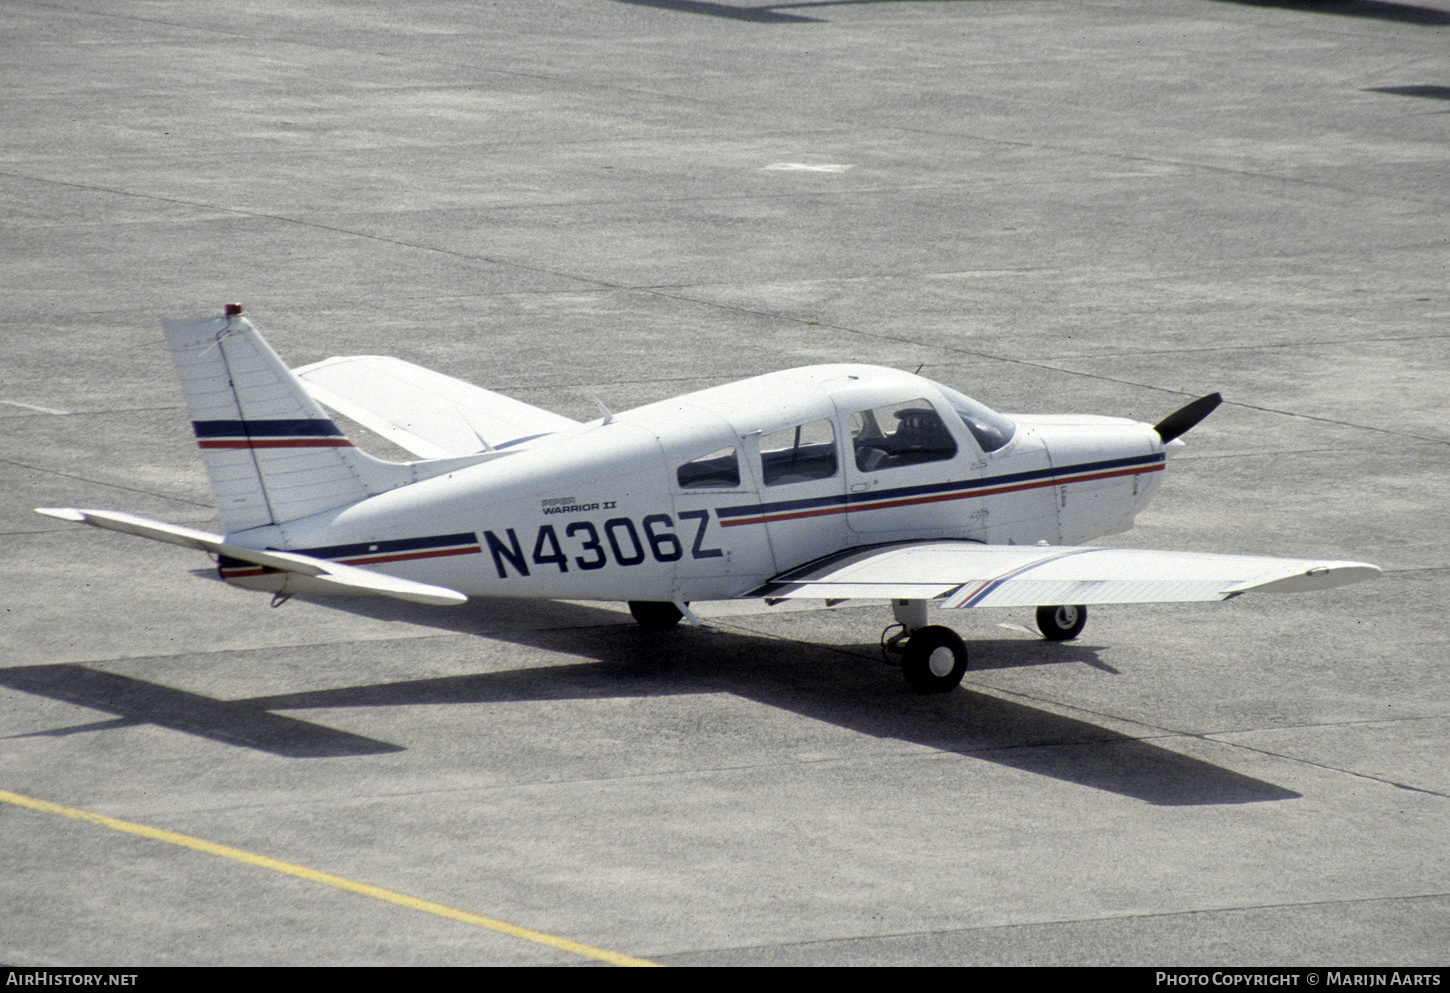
x=327, y=879
x=979, y=594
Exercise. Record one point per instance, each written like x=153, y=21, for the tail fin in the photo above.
x=272, y=454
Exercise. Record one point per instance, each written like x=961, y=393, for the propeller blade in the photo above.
x=1186, y=417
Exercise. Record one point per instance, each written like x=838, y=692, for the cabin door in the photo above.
x=908, y=474
x=802, y=492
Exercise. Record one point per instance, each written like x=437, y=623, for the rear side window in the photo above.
x=798, y=454
x=718, y=470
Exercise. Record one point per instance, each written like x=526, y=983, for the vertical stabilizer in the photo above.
x=272, y=454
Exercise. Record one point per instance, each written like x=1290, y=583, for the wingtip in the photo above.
x=1322, y=576
x=63, y=514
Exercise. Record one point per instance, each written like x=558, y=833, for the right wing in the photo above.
x=966, y=574
x=427, y=413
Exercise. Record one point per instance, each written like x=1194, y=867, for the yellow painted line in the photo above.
x=376, y=892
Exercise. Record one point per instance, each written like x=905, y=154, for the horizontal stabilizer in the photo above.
x=965, y=574
x=317, y=575
x=422, y=411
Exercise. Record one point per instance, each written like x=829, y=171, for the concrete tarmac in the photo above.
x=1099, y=207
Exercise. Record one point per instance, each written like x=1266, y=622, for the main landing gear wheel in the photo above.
x=933, y=659
x=655, y=615
x=1061, y=623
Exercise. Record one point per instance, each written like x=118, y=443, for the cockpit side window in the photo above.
x=991, y=429
x=900, y=434
x=797, y=454
x=718, y=470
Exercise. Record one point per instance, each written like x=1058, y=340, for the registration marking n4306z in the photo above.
x=627, y=543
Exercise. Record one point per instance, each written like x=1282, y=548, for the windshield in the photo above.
x=990, y=428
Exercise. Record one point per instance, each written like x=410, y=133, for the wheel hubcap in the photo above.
x=1066, y=617
x=940, y=662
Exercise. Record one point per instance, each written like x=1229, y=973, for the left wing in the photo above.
x=967, y=574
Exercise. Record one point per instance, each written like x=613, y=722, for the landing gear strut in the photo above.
x=932, y=658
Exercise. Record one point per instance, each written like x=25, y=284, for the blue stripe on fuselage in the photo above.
x=311, y=427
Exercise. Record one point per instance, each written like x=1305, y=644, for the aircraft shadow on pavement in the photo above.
x=137, y=701
x=1375, y=10
x=758, y=14
x=846, y=686
x=1427, y=91
x=776, y=13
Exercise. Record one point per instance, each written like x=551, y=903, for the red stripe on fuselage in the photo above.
x=792, y=516
x=405, y=556
x=258, y=570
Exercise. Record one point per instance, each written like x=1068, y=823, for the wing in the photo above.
x=319, y=575
x=425, y=412
x=966, y=574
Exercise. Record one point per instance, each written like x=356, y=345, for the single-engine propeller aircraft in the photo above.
x=829, y=482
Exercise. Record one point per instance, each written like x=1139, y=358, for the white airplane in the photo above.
x=828, y=483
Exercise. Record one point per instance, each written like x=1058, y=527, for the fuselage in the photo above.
x=708, y=495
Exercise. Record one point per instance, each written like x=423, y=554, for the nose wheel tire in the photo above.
x=934, y=659
x=1061, y=623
